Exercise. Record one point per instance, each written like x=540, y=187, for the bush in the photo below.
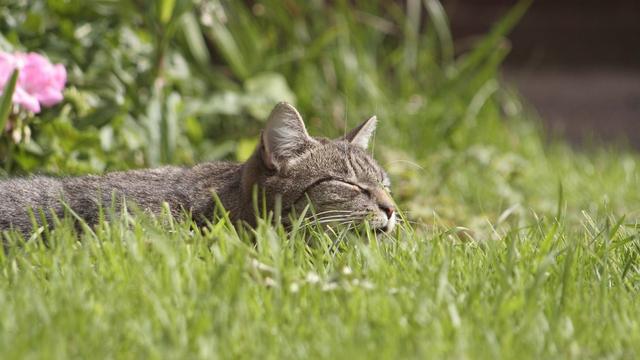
x=155, y=82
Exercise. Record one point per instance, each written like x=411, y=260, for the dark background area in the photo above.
x=577, y=62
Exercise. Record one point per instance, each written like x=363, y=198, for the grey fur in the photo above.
x=341, y=180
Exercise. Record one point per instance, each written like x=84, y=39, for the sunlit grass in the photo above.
x=141, y=287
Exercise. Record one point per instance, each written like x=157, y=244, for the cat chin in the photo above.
x=388, y=226
x=383, y=225
x=391, y=223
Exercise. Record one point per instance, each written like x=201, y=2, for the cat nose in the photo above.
x=388, y=210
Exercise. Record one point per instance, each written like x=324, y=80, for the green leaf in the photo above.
x=264, y=90
x=441, y=27
x=226, y=43
x=5, y=99
x=154, y=126
x=166, y=10
x=245, y=148
x=194, y=39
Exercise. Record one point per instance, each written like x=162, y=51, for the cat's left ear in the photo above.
x=361, y=135
x=284, y=136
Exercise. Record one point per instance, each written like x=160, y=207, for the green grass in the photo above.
x=142, y=287
x=514, y=246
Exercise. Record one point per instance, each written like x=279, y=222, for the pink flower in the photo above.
x=40, y=82
x=8, y=62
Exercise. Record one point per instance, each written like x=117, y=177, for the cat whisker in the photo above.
x=329, y=221
x=406, y=162
x=335, y=216
x=335, y=210
x=325, y=221
x=354, y=216
x=331, y=212
x=338, y=220
x=351, y=214
x=348, y=222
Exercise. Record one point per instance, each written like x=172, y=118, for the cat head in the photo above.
x=338, y=178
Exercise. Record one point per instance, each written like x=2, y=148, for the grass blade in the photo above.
x=6, y=97
x=441, y=26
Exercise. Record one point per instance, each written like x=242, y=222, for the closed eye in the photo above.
x=348, y=184
x=354, y=186
x=342, y=182
x=364, y=191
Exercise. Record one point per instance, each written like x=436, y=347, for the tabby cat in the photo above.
x=338, y=177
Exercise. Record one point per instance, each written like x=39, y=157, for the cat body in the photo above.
x=339, y=178
x=181, y=188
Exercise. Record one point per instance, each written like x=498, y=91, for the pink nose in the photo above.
x=388, y=209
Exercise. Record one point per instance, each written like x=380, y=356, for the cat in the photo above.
x=342, y=182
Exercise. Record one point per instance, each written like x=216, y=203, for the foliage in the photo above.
x=5, y=99
x=157, y=288
x=187, y=79
x=511, y=246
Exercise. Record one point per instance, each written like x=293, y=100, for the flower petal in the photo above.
x=26, y=100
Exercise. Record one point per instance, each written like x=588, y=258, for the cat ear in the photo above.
x=284, y=136
x=362, y=133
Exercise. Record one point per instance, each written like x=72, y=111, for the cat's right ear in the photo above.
x=362, y=134
x=284, y=136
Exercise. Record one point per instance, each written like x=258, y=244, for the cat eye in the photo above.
x=365, y=191
x=361, y=189
x=343, y=182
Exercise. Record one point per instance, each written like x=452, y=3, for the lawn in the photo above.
x=512, y=245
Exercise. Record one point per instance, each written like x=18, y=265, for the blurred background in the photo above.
x=576, y=61
x=176, y=81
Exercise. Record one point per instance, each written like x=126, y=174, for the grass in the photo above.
x=155, y=288
x=514, y=246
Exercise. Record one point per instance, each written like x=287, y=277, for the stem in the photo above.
x=8, y=164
